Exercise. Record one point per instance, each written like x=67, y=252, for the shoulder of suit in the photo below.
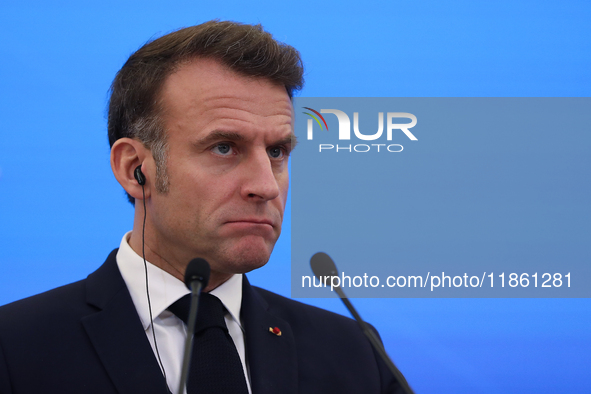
x=51, y=304
x=63, y=294
x=70, y=299
x=286, y=307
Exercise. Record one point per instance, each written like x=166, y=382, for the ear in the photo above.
x=126, y=155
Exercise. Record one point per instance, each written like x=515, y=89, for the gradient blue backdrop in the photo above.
x=61, y=210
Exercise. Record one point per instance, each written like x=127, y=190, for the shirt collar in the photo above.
x=230, y=293
x=165, y=289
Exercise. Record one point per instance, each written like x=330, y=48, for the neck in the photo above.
x=174, y=268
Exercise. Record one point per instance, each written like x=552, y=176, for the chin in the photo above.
x=247, y=257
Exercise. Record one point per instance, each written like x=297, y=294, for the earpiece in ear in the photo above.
x=139, y=175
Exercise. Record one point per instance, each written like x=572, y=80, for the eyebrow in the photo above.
x=290, y=139
x=218, y=135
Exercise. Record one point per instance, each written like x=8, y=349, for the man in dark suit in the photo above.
x=200, y=127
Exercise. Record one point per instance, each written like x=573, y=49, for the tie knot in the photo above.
x=210, y=313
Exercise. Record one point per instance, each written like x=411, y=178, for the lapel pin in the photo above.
x=275, y=331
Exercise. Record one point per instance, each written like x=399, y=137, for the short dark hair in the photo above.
x=134, y=105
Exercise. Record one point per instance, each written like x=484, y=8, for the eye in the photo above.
x=276, y=152
x=222, y=149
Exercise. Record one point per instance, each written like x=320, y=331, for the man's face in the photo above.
x=229, y=138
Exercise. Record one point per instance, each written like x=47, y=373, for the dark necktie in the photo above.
x=215, y=363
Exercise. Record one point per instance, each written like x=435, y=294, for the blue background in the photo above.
x=61, y=210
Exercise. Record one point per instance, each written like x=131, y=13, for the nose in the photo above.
x=260, y=179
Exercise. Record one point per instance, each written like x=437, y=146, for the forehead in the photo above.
x=203, y=91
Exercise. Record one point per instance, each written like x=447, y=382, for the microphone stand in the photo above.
x=374, y=340
x=196, y=287
x=323, y=266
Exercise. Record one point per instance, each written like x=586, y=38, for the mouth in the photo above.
x=252, y=227
x=252, y=221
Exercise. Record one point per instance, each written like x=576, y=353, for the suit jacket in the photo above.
x=86, y=337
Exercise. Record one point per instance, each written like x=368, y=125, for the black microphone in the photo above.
x=196, y=279
x=323, y=266
x=197, y=272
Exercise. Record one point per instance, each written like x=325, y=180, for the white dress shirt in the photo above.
x=171, y=331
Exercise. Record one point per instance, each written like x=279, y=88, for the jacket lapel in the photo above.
x=117, y=334
x=271, y=358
